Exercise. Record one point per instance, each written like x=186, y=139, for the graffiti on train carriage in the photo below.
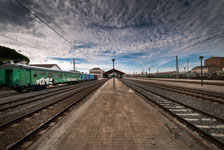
x=72, y=79
x=45, y=81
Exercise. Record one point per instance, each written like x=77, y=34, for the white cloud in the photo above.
x=157, y=30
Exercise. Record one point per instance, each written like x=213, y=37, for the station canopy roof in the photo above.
x=114, y=70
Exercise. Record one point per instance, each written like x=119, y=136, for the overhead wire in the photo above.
x=200, y=42
x=45, y=23
x=17, y=41
x=35, y=15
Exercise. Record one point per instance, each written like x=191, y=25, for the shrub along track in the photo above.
x=206, y=124
x=15, y=132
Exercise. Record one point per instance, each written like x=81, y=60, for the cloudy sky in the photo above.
x=137, y=33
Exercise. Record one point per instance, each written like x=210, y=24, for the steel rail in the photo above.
x=92, y=88
x=204, y=94
x=206, y=83
x=38, y=93
x=206, y=135
x=5, y=124
x=12, y=104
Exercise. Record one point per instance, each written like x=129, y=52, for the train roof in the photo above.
x=33, y=68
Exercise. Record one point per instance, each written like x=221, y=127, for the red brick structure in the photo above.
x=218, y=61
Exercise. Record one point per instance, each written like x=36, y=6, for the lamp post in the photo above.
x=185, y=72
x=74, y=64
x=113, y=60
x=201, y=57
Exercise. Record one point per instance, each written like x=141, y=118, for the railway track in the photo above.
x=209, y=126
x=215, y=97
x=6, y=104
x=197, y=81
x=14, y=93
x=13, y=110
x=26, y=95
x=21, y=128
x=9, y=94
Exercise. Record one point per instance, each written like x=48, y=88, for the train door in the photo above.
x=27, y=77
x=8, y=77
x=22, y=77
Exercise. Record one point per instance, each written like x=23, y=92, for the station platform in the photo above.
x=191, y=85
x=116, y=118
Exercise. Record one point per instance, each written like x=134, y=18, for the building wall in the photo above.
x=198, y=70
x=207, y=69
x=99, y=73
x=55, y=67
x=218, y=61
x=214, y=69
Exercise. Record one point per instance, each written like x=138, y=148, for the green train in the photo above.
x=20, y=77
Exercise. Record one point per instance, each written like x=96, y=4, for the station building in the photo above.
x=217, y=61
x=206, y=69
x=97, y=71
x=51, y=66
x=212, y=65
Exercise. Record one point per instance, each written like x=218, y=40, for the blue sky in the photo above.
x=137, y=33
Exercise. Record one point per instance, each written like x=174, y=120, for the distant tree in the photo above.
x=8, y=55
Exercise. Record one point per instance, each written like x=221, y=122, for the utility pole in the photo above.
x=187, y=65
x=113, y=73
x=201, y=57
x=142, y=70
x=185, y=72
x=74, y=64
x=177, y=68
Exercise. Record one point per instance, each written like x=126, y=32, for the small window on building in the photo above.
x=60, y=75
x=35, y=74
x=65, y=74
x=50, y=74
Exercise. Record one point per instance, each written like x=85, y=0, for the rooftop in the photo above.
x=95, y=69
x=209, y=66
x=114, y=70
x=45, y=65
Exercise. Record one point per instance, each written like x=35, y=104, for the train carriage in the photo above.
x=21, y=77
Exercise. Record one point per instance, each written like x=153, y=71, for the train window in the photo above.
x=35, y=74
x=42, y=73
x=49, y=74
